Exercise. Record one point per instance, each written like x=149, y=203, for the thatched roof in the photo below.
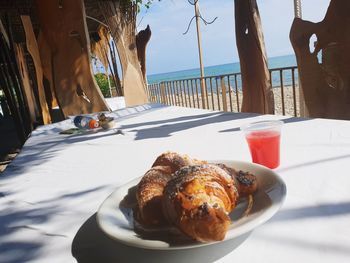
x=12, y=9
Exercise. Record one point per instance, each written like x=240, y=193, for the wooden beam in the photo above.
x=33, y=49
x=28, y=90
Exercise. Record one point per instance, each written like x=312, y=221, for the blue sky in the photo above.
x=170, y=50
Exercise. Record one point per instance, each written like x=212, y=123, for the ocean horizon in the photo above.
x=273, y=62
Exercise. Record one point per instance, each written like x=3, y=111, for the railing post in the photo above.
x=185, y=92
x=223, y=93
x=203, y=93
x=162, y=93
x=302, y=106
x=237, y=95
x=282, y=92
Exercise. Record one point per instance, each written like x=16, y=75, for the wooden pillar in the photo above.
x=162, y=93
x=257, y=90
x=204, y=92
x=33, y=49
x=223, y=93
x=63, y=24
x=27, y=87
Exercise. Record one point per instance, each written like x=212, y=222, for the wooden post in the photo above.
x=162, y=93
x=223, y=93
x=63, y=24
x=257, y=90
x=199, y=36
x=28, y=90
x=33, y=49
x=109, y=83
x=302, y=107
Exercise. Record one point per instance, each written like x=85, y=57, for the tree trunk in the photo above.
x=63, y=24
x=257, y=90
x=121, y=20
x=326, y=86
x=142, y=38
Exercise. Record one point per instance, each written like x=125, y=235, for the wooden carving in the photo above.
x=46, y=62
x=120, y=17
x=142, y=38
x=33, y=49
x=325, y=85
x=257, y=90
x=64, y=27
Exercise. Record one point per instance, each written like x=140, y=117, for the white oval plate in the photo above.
x=117, y=222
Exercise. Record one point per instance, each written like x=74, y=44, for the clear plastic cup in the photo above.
x=264, y=138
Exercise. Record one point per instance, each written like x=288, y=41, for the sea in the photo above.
x=274, y=62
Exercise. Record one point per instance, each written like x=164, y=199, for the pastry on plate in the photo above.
x=175, y=161
x=149, y=195
x=198, y=199
x=247, y=182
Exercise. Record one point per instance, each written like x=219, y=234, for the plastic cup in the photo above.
x=263, y=139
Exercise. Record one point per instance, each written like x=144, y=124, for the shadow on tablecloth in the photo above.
x=91, y=245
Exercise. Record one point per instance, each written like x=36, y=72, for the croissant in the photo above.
x=175, y=161
x=198, y=199
x=149, y=195
x=246, y=182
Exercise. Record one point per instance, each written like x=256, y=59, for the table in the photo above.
x=50, y=193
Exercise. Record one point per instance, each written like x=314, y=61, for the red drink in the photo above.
x=265, y=147
x=264, y=142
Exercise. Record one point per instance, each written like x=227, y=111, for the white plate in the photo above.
x=117, y=221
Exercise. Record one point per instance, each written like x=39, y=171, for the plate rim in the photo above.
x=257, y=221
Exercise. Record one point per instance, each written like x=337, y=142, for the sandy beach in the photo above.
x=216, y=103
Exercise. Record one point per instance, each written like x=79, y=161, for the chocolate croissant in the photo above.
x=175, y=161
x=246, y=182
x=198, y=199
x=149, y=195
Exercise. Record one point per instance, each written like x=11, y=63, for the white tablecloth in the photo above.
x=50, y=193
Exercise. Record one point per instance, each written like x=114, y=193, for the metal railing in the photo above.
x=224, y=92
